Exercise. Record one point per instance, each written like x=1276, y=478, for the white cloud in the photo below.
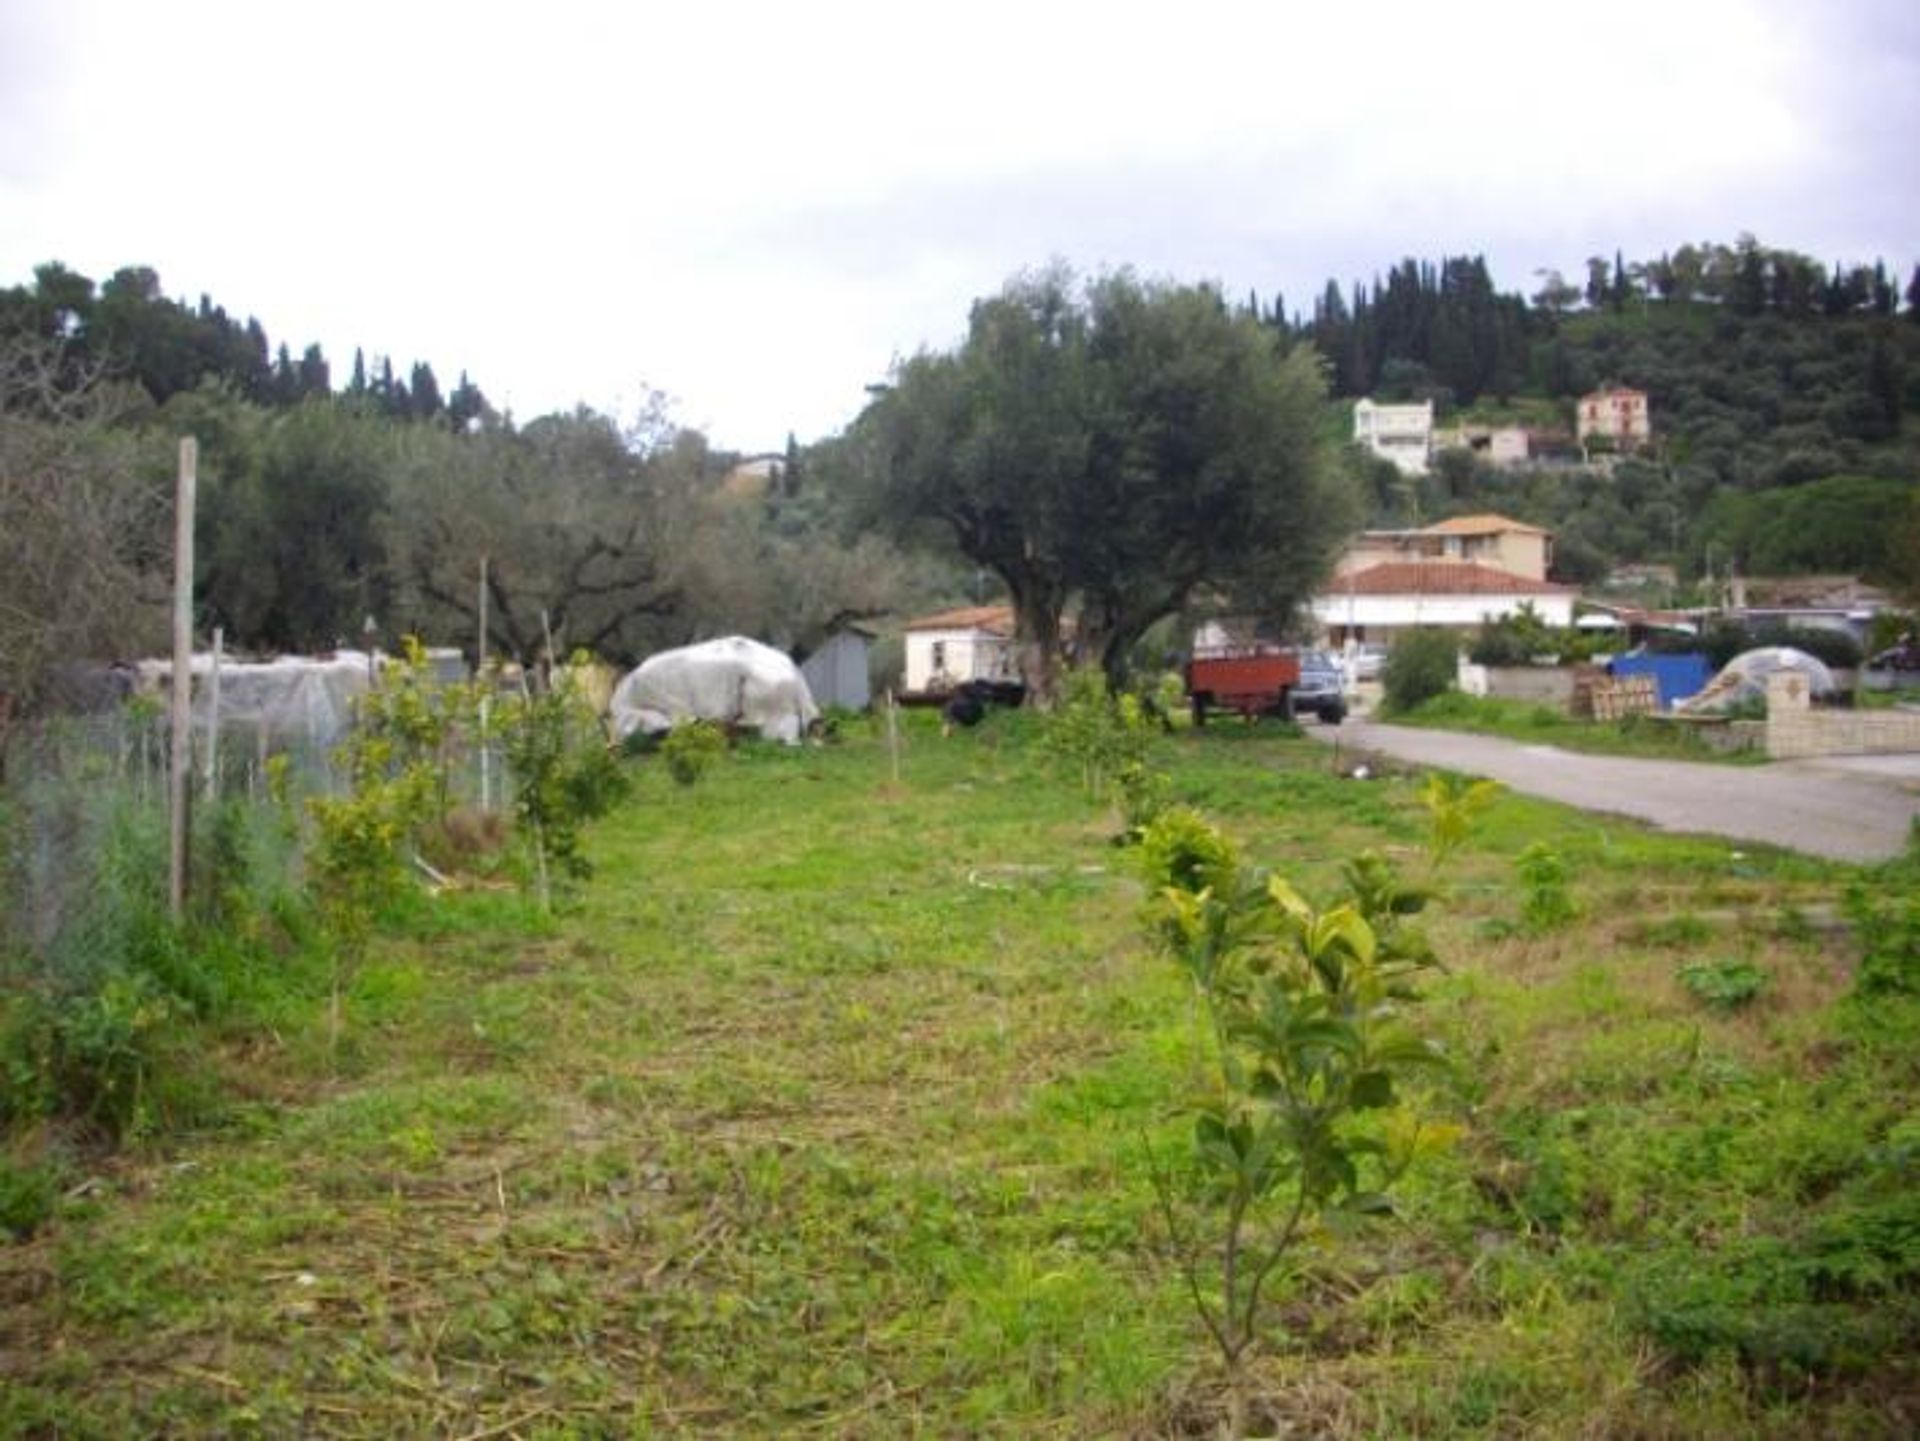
x=756, y=206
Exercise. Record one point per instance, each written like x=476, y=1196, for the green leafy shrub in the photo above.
x=1181, y=851
x=691, y=749
x=563, y=776
x=1422, y=664
x=1889, y=935
x=1829, y=1301
x=1518, y=638
x=1142, y=794
x=1301, y=1120
x=1724, y=985
x=1545, y=904
x=28, y=1194
x=1093, y=734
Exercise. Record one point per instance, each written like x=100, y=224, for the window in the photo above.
x=939, y=656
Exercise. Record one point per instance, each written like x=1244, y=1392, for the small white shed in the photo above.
x=956, y=646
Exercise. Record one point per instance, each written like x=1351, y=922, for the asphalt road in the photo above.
x=1854, y=808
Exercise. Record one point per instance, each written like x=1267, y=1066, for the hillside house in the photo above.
x=1503, y=447
x=956, y=646
x=1617, y=414
x=1402, y=434
x=1489, y=540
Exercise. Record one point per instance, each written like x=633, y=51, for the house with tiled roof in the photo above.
x=1492, y=540
x=1376, y=603
x=1616, y=413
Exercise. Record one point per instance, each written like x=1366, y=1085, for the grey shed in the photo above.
x=837, y=672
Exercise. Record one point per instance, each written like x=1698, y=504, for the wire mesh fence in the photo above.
x=84, y=835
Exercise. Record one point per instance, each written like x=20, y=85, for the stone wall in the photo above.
x=1542, y=684
x=1795, y=729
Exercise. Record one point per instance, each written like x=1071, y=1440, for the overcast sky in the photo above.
x=757, y=207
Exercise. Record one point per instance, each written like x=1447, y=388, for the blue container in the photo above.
x=1675, y=677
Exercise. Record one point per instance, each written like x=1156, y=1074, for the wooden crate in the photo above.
x=1607, y=698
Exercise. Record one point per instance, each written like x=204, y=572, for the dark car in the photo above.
x=1902, y=657
x=1321, y=690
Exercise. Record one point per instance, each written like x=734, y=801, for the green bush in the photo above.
x=1826, y=1302
x=1724, y=985
x=1422, y=664
x=691, y=749
x=1093, y=734
x=1180, y=849
x=28, y=1194
x=1723, y=640
x=1545, y=904
x=1889, y=933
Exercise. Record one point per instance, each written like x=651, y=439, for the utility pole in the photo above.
x=182, y=676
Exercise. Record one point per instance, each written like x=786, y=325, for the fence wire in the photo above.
x=84, y=835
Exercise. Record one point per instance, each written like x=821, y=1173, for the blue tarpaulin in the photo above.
x=1675, y=677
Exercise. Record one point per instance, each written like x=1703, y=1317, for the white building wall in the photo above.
x=1387, y=613
x=1402, y=434
x=967, y=655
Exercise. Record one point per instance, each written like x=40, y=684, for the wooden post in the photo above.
x=893, y=736
x=182, y=757
x=486, y=695
x=213, y=716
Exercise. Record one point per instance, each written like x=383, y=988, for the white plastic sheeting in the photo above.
x=294, y=698
x=1744, y=678
x=734, y=681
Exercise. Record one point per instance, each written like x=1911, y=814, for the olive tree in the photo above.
x=83, y=522
x=1120, y=450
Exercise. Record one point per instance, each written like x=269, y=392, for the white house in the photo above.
x=1375, y=604
x=1402, y=434
x=956, y=646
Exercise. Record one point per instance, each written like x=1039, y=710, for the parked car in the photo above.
x=1902, y=657
x=1321, y=689
x=1365, y=661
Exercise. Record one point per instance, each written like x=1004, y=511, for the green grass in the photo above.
x=828, y=1109
x=1540, y=724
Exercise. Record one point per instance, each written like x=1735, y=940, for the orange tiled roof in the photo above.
x=994, y=619
x=1439, y=577
x=1482, y=525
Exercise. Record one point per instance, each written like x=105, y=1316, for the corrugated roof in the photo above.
x=1439, y=577
x=994, y=619
x=1488, y=524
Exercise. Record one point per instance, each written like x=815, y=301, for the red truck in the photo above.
x=1250, y=679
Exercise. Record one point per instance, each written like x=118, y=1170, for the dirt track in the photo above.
x=1860, y=808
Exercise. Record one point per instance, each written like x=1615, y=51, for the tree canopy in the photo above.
x=1123, y=447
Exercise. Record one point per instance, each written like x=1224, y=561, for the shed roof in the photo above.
x=993, y=619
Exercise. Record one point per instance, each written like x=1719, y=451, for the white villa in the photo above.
x=1402, y=434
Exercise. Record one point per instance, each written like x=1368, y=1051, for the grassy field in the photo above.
x=1548, y=725
x=829, y=1108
